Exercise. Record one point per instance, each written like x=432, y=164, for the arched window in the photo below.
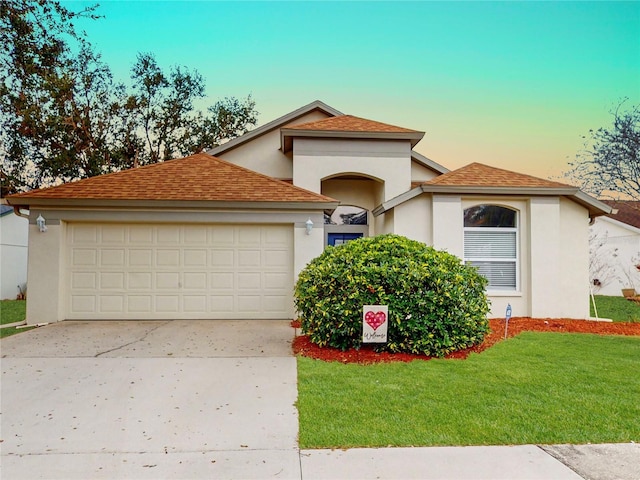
x=491, y=244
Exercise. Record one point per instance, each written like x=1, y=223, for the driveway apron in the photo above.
x=156, y=399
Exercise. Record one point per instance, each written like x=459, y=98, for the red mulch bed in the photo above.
x=302, y=345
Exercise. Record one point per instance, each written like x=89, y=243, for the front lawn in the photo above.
x=11, y=311
x=536, y=388
x=618, y=309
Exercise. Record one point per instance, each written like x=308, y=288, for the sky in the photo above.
x=514, y=85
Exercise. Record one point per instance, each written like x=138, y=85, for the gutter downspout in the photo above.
x=16, y=210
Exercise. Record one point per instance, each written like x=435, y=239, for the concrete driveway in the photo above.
x=157, y=399
x=212, y=399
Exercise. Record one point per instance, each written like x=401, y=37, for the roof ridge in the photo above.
x=442, y=179
x=338, y=118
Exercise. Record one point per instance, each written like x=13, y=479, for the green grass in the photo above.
x=536, y=388
x=619, y=309
x=11, y=311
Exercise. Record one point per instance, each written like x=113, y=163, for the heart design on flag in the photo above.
x=375, y=319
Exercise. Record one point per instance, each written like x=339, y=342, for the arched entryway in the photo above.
x=358, y=196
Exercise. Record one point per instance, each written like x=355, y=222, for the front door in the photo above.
x=335, y=239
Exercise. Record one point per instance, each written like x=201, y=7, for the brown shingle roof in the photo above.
x=480, y=175
x=199, y=177
x=349, y=123
x=628, y=211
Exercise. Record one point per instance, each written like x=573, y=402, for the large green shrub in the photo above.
x=437, y=305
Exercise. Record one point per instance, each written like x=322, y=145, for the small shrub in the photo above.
x=436, y=304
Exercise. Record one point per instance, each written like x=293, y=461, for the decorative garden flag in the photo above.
x=374, y=323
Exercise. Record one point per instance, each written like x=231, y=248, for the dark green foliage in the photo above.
x=436, y=304
x=64, y=117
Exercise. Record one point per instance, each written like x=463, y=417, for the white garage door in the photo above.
x=120, y=271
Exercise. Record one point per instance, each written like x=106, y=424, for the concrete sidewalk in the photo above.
x=201, y=400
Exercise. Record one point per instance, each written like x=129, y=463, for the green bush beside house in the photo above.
x=437, y=305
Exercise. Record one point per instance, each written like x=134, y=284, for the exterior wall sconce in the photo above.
x=309, y=225
x=41, y=222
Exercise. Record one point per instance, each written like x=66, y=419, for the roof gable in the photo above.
x=274, y=124
x=628, y=211
x=199, y=177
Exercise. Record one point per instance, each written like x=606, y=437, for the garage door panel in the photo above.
x=140, y=234
x=168, y=258
x=195, y=303
x=140, y=258
x=139, y=303
x=110, y=280
x=83, y=304
x=113, y=235
x=111, y=303
x=139, y=280
x=168, y=280
x=222, y=303
x=249, y=258
x=249, y=303
x=179, y=271
x=112, y=257
x=84, y=280
x=83, y=256
x=222, y=281
x=85, y=234
x=222, y=258
x=195, y=258
x=195, y=280
x=167, y=303
x=168, y=234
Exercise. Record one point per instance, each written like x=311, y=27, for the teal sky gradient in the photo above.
x=511, y=84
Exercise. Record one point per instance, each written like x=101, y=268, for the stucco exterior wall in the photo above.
x=446, y=224
x=614, y=250
x=574, y=261
x=420, y=173
x=315, y=160
x=46, y=277
x=413, y=219
x=263, y=153
x=13, y=255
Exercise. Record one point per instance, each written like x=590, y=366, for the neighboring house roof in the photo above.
x=347, y=126
x=482, y=179
x=196, y=178
x=274, y=124
x=628, y=211
x=5, y=209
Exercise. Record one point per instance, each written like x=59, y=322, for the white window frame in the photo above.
x=515, y=260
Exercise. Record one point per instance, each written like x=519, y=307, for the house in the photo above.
x=13, y=253
x=223, y=234
x=614, y=249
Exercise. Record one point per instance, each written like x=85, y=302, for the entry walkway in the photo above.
x=210, y=399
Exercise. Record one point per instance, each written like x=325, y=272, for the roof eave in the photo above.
x=287, y=134
x=596, y=207
x=395, y=201
x=495, y=190
x=274, y=124
x=427, y=162
x=194, y=204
